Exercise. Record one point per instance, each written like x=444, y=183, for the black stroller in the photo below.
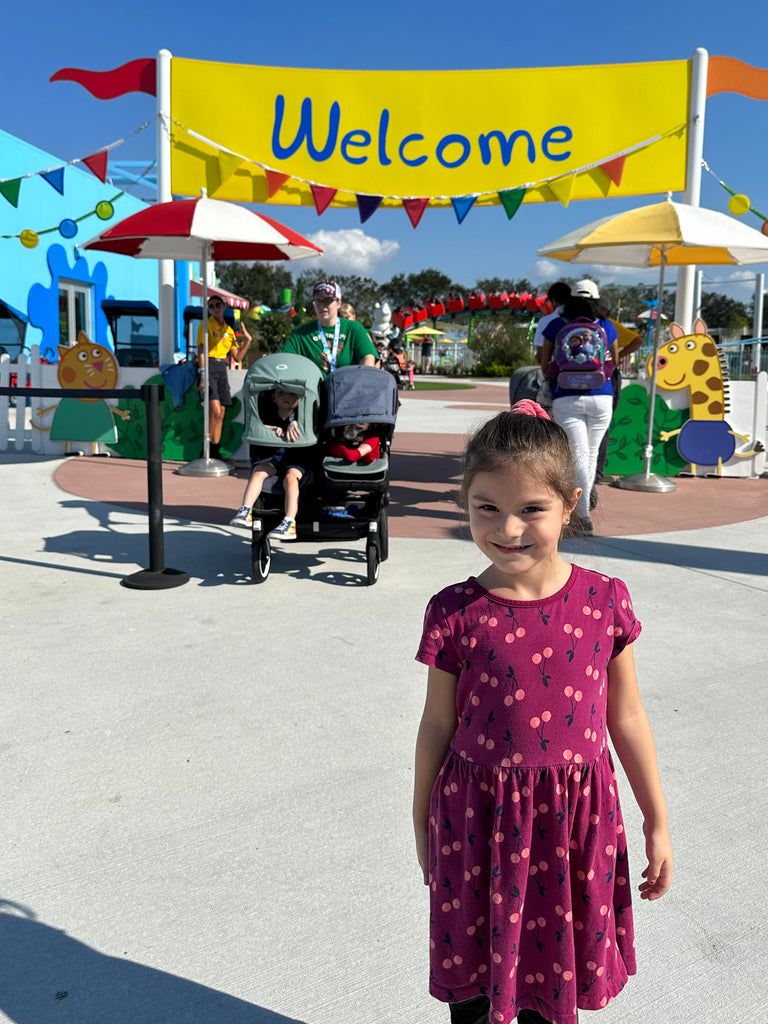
x=339, y=500
x=392, y=365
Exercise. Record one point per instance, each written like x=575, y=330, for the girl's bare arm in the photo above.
x=633, y=742
x=438, y=724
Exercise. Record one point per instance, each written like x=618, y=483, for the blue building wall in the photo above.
x=30, y=277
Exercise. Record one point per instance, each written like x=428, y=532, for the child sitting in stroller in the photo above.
x=277, y=411
x=354, y=446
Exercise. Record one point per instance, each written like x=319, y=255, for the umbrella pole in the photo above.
x=648, y=481
x=205, y=466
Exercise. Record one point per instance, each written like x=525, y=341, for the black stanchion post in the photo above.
x=157, y=577
x=151, y=398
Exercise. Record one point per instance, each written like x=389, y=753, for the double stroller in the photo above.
x=338, y=500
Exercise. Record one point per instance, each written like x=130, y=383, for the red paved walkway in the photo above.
x=424, y=484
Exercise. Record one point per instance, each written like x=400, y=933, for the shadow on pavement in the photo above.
x=46, y=975
x=667, y=553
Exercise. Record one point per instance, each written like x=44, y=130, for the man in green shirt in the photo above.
x=330, y=341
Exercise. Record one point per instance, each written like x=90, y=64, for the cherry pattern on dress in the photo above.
x=529, y=880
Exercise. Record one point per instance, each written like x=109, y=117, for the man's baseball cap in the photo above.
x=329, y=288
x=586, y=289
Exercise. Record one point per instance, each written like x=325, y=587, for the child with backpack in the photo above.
x=580, y=352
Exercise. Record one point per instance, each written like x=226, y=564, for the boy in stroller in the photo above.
x=277, y=411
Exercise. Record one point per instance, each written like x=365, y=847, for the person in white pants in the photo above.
x=584, y=415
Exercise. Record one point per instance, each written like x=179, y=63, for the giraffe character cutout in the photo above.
x=86, y=367
x=692, y=362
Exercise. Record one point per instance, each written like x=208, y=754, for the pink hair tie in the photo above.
x=526, y=407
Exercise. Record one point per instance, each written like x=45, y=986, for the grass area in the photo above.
x=442, y=385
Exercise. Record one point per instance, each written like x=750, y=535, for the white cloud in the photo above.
x=546, y=270
x=718, y=279
x=351, y=251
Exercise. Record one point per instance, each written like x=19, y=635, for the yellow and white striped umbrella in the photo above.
x=675, y=233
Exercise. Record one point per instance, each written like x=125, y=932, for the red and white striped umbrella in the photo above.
x=183, y=228
x=203, y=229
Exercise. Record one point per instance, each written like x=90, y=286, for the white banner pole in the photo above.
x=692, y=196
x=165, y=278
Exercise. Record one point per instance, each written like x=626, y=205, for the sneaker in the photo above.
x=244, y=517
x=285, y=531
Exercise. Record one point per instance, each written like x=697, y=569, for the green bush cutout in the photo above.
x=181, y=429
x=629, y=432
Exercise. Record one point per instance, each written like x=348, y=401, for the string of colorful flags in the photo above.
x=96, y=162
x=69, y=227
x=738, y=204
x=555, y=188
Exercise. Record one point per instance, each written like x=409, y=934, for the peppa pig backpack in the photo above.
x=578, y=357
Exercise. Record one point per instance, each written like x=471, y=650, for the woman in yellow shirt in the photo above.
x=213, y=366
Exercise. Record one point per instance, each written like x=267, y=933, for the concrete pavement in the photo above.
x=207, y=789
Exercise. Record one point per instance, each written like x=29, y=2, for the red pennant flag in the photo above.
x=97, y=164
x=135, y=76
x=415, y=208
x=323, y=197
x=614, y=169
x=275, y=181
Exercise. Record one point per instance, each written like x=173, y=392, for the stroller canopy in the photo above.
x=292, y=373
x=360, y=394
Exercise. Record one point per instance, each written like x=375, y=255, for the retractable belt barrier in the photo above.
x=157, y=576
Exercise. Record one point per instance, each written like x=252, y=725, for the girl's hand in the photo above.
x=658, y=874
x=292, y=433
x=278, y=431
x=422, y=854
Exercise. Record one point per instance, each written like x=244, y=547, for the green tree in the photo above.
x=501, y=345
x=260, y=283
x=719, y=311
x=415, y=289
x=305, y=281
x=498, y=284
x=271, y=331
x=362, y=293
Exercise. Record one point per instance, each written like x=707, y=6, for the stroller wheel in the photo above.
x=372, y=558
x=262, y=560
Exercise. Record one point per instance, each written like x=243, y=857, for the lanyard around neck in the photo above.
x=330, y=354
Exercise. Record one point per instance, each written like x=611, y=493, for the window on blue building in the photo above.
x=74, y=311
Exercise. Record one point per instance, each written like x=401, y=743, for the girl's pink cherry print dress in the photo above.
x=529, y=882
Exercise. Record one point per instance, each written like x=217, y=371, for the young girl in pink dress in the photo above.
x=519, y=831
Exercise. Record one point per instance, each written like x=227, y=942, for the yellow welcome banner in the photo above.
x=426, y=134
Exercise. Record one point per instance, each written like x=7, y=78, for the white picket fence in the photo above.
x=22, y=425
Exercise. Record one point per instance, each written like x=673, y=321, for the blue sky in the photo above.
x=63, y=118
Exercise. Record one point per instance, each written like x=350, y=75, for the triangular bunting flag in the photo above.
x=511, y=198
x=97, y=164
x=275, y=181
x=462, y=205
x=228, y=164
x=601, y=180
x=10, y=190
x=55, y=179
x=323, y=197
x=562, y=187
x=614, y=169
x=368, y=205
x=546, y=193
x=415, y=208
